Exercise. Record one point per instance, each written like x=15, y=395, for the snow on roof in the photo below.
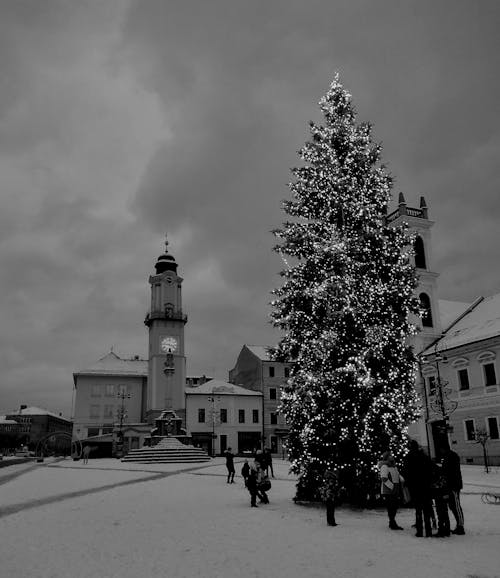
x=260, y=351
x=481, y=322
x=113, y=364
x=217, y=387
x=449, y=311
x=33, y=410
x=4, y=420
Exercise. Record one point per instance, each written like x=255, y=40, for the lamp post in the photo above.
x=441, y=403
x=212, y=398
x=122, y=414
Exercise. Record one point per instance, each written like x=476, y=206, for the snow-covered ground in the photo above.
x=113, y=520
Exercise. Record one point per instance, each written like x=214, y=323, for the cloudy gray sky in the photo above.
x=123, y=119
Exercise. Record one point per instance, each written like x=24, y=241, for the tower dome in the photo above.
x=165, y=262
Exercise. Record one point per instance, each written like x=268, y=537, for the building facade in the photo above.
x=255, y=370
x=460, y=381
x=36, y=425
x=221, y=415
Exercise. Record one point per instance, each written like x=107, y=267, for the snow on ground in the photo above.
x=191, y=524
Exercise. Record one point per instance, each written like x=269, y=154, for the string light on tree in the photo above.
x=344, y=307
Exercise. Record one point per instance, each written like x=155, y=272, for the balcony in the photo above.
x=169, y=314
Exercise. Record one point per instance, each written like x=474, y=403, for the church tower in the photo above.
x=419, y=223
x=165, y=321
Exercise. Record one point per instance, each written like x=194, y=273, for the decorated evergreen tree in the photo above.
x=345, y=308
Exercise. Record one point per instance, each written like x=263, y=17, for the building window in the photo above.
x=274, y=418
x=431, y=384
x=470, y=430
x=241, y=416
x=109, y=391
x=490, y=377
x=287, y=372
x=107, y=430
x=95, y=391
x=94, y=411
x=419, y=254
x=255, y=416
x=272, y=393
x=223, y=415
x=463, y=379
x=425, y=305
x=108, y=411
x=271, y=371
x=493, y=431
x=92, y=431
x=201, y=415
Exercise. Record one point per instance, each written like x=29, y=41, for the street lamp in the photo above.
x=214, y=418
x=440, y=403
x=122, y=413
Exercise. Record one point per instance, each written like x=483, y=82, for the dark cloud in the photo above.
x=123, y=119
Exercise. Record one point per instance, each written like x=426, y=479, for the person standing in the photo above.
x=268, y=461
x=86, y=453
x=440, y=493
x=245, y=471
x=390, y=487
x=252, y=484
x=453, y=475
x=230, y=465
x=328, y=492
x=418, y=476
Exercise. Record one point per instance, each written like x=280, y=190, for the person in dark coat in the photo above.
x=418, y=475
x=440, y=494
x=329, y=493
x=230, y=465
x=453, y=475
x=245, y=471
x=268, y=461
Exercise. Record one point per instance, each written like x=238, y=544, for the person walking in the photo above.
x=263, y=484
x=418, y=475
x=453, y=475
x=230, y=465
x=329, y=492
x=390, y=487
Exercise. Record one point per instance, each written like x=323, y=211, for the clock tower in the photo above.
x=165, y=321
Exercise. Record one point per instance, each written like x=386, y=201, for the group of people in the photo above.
x=255, y=475
x=431, y=486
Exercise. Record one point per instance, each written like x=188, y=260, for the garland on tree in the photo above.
x=345, y=308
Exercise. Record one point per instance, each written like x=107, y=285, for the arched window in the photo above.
x=420, y=253
x=169, y=309
x=425, y=305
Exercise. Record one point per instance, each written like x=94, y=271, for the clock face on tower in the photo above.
x=168, y=344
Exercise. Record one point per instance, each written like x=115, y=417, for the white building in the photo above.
x=229, y=415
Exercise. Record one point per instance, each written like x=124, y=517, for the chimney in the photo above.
x=22, y=407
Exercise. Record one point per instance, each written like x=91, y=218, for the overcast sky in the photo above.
x=123, y=119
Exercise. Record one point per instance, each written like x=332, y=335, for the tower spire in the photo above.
x=166, y=242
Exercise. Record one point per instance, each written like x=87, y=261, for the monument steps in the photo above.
x=168, y=450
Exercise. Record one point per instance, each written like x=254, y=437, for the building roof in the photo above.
x=33, y=410
x=482, y=321
x=449, y=311
x=260, y=351
x=113, y=364
x=216, y=387
x=5, y=421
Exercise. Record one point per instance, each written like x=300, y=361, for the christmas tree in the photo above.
x=345, y=308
